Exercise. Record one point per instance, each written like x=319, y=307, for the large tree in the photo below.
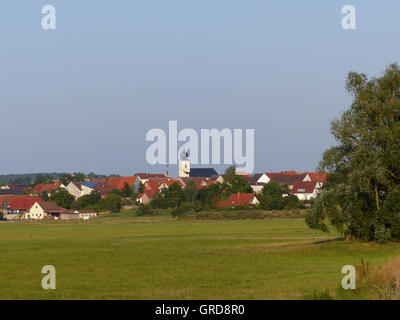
x=362, y=195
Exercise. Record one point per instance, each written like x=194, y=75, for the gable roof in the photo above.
x=318, y=176
x=23, y=203
x=237, y=200
x=50, y=207
x=46, y=187
x=89, y=184
x=103, y=188
x=119, y=182
x=199, y=182
x=202, y=172
x=142, y=176
x=286, y=178
x=304, y=187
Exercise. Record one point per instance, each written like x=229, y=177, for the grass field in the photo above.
x=122, y=257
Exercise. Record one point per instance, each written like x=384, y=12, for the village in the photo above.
x=74, y=198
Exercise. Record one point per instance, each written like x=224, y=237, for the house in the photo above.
x=239, y=200
x=145, y=197
x=103, y=188
x=202, y=172
x=306, y=190
x=256, y=186
x=283, y=177
x=79, y=215
x=10, y=192
x=143, y=177
x=318, y=176
x=86, y=214
x=46, y=187
x=15, y=187
x=45, y=210
x=119, y=182
x=199, y=182
x=15, y=208
x=80, y=189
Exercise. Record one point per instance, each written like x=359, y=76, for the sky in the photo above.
x=83, y=96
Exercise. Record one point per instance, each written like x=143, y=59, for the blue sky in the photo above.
x=82, y=97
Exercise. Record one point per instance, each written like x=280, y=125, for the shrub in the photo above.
x=145, y=210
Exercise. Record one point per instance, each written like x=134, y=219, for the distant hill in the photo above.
x=28, y=178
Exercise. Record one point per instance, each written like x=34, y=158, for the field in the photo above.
x=124, y=257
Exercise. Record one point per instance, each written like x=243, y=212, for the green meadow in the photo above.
x=124, y=257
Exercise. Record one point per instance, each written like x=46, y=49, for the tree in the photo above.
x=127, y=191
x=271, y=197
x=45, y=196
x=175, y=195
x=42, y=178
x=65, y=179
x=62, y=197
x=110, y=202
x=230, y=174
x=362, y=195
x=79, y=176
x=89, y=200
x=190, y=192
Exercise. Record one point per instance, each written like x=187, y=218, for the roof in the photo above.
x=286, y=178
x=237, y=200
x=149, y=193
x=151, y=176
x=317, y=176
x=251, y=180
x=18, y=187
x=5, y=192
x=84, y=211
x=200, y=182
x=153, y=185
x=23, y=203
x=103, y=188
x=51, y=207
x=46, y=187
x=119, y=182
x=202, y=172
x=304, y=187
x=89, y=184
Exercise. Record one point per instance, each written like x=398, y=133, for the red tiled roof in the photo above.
x=304, y=187
x=318, y=176
x=151, y=175
x=237, y=200
x=103, y=188
x=149, y=193
x=23, y=203
x=48, y=188
x=119, y=182
x=200, y=182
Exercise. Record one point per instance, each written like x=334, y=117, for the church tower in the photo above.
x=184, y=165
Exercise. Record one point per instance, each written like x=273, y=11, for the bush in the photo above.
x=184, y=208
x=111, y=202
x=145, y=210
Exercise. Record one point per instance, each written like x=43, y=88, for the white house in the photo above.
x=306, y=191
x=80, y=189
x=44, y=210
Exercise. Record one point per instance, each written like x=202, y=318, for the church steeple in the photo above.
x=184, y=165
